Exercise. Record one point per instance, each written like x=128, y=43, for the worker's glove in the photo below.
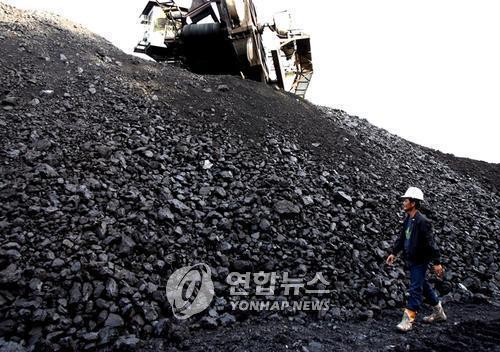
x=390, y=259
x=439, y=270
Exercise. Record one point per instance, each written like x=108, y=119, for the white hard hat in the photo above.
x=415, y=193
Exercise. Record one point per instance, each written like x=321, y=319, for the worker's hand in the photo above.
x=390, y=259
x=439, y=270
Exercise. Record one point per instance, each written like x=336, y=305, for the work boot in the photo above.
x=407, y=321
x=437, y=314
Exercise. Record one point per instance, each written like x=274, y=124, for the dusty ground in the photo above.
x=470, y=327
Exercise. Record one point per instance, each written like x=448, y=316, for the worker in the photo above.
x=419, y=250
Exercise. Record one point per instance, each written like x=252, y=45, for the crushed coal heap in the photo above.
x=117, y=171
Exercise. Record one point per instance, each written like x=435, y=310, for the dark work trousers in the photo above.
x=419, y=287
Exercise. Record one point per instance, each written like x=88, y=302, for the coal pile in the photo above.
x=116, y=171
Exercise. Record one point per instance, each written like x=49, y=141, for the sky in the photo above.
x=426, y=70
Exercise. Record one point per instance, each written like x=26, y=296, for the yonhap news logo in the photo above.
x=190, y=290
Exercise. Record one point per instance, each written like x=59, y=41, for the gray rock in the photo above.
x=11, y=346
x=75, y=294
x=46, y=170
x=150, y=313
x=314, y=346
x=208, y=322
x=227, y=319
x=343, y=197
x=127, y=244
x=178, y=205
x=111, y=288
x=225, y=246
x=242, y=265
x=264, y=225
x=161, y=328
x=90, y=336
x=127, y=343
x=13, y=254
x=183, y=239
x=36, y=284
x=164, y=213
x=308, y=200
x=9, y=101
x=113, y=321
x=57, y=263
x=285, y=207
x=220, y=192
x=107, y=335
